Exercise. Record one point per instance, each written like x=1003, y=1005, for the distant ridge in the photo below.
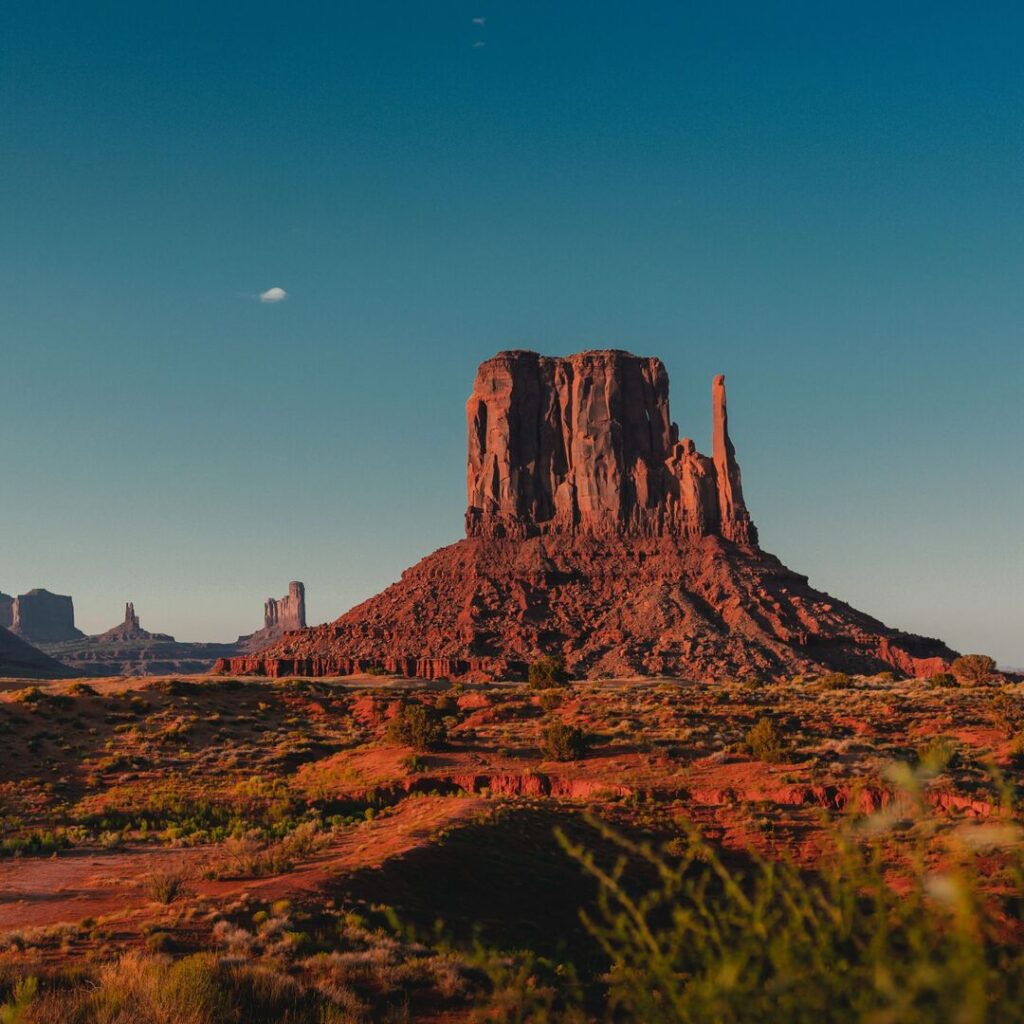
x=19, y=659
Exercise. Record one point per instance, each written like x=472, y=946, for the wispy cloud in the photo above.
x=480, y=21
x=478, y=44
x=274, y=294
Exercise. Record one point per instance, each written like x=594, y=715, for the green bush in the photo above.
x=943, y=679
x=765, y=742
x=547, y=672
x=762, y=941
x=973, y=669
x=419, y=727
x=563, y=742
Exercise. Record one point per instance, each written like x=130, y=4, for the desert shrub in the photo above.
x=159, y=942
x=973, y=669
x=37, y=843
x=377, y=670
x=561, y=742
x=943, y=679
x=173, y=808
x=248, y=856
x=550, y=699
x=764, y=941
x=1016, y=753
x=23, y=995
x=937, y=754
x=167, y=884
x=81, y=690
x=835, y=681
x=418, y=727
x=547, y=672
x=765, y=742
x=28, y=695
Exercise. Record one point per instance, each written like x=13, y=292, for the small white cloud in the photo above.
x=479, y=44
x=273, y=295
x=480, y=21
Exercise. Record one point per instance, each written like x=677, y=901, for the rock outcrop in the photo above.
x=595, y=533
x=6, y=611
x=42, y=617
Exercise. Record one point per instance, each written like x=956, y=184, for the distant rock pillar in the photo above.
x=297, y=601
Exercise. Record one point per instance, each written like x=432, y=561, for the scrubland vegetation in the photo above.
x=823, y=849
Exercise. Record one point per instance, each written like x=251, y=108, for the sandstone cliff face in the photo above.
x=585, y=444
x=42, y=617
x=597, y=534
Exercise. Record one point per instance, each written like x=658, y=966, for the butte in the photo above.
x=597, y=534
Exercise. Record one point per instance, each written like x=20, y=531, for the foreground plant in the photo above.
x=766, y=942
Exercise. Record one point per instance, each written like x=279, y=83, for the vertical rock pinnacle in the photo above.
x=734, y=519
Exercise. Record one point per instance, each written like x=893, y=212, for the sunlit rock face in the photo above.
x=586, y=444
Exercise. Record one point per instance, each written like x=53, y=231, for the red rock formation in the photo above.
x=586, y=445
x=42, y=617
x=595, y=533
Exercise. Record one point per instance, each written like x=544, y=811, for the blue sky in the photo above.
x=821, y=201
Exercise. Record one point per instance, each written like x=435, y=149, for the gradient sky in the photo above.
x=822, y=201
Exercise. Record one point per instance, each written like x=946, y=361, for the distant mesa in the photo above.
x=129, y=649
x=18, y=658
x=39, y=616
x=597, y=533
